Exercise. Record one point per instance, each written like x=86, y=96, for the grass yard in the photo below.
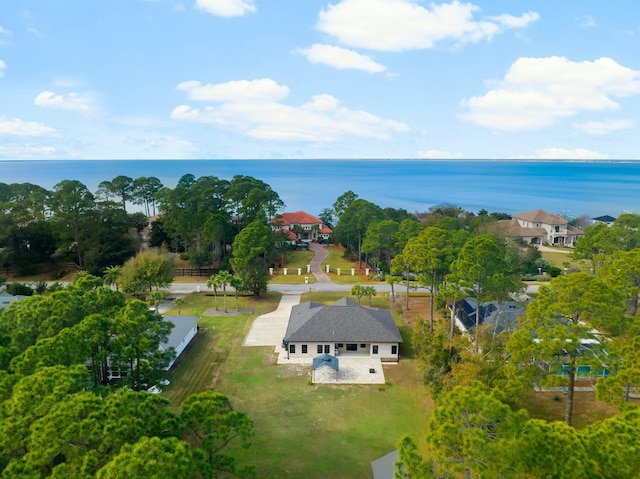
x=292, y=277
x=301, y=430
x=558, y=256
x=337, y=260
x=586, y=408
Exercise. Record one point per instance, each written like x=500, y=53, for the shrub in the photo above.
x=554, y=271
x=19, y=289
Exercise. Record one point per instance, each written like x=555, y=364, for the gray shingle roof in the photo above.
x=181, y=326
x=343, y=321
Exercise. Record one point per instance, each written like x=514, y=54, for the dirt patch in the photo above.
x=230, y=312
x=419, y=308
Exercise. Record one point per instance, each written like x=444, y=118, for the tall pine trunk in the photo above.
x=568, y=413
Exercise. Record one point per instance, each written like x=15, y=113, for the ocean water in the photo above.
x=589, y=188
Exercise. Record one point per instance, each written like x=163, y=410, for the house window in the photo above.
x=319, y=348
x=394, y=349
x=341, y=345
x=292, y=348
x=304, y=349
x=363, y=346
x=375, y=349
x=352, y=347
x=327, y=349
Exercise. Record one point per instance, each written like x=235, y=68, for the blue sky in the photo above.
x=276, y=79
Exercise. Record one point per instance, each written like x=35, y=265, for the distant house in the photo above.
x=540, y=227
x=300, y=226
x=6, y=299
x=342, y=328
x=606, y=219
x=184, y=330
x=499, y=316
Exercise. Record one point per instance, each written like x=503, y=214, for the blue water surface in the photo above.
x=589, y=188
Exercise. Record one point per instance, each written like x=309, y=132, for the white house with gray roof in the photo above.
x=184, y=330
x=343, y=328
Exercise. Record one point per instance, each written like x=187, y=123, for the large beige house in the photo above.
x=541, y=227
x=301, y=226
x=343, y=328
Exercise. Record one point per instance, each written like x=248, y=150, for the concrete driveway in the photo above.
x=269, y=329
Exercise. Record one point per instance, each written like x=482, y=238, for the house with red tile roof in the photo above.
x=300, y=226
x=540, y=227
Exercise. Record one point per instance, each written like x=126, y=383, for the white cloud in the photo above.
x=3, y=67
x=261, y=90
x=26, y=151
x=226, y=8
x=178, y=7
x=439, y=155
x=603, y=127
x=395, y=25
x=18, y=127
x=264, y=116
x=71, y=101
x=4, y=31
x=340, y=58
x=536, y=92
x=35, y=32
x=565, y=154
x=511, y=21
x=586, y=21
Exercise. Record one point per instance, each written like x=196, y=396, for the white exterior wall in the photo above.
x=384, y=350
x=312, y=350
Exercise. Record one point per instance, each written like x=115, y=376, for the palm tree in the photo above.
x=369, y=291
x=357, y=290
x=178, y=302
x=224, y=279
x=390, y=279
x=111, y=275
x=155, y=298
x=237, y=285
x=213, y=282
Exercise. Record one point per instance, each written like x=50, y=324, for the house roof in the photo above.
x=181, y=327
x=325, y=360
x=6, y=299
x=500, y=315
x=385, y=467
x=297, y=217
x=513, y=228
x=604, y=219
x=343, y=321
x=541, y=216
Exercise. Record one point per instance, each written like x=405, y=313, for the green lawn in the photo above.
x=560, y=256
x=301, y=430
x=336, y=260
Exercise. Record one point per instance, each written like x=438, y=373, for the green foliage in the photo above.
x=210, y=423
x=152, y=458
x=483, y=271
x=146, y=271
x=353, y=223
x=19, y=289
x=559, y=322
x=136, y=346
x=253, y=250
